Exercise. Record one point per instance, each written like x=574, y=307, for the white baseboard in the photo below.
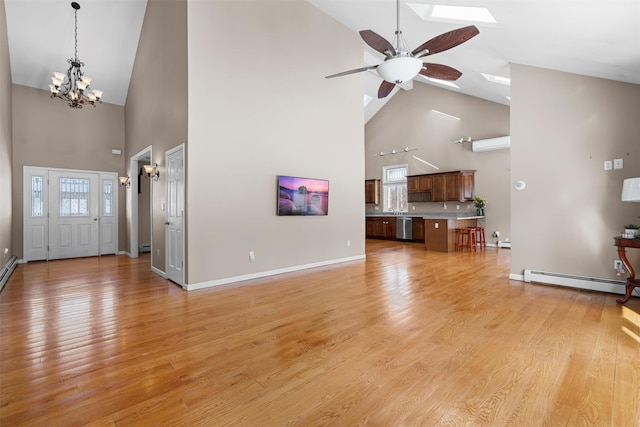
x=159, y=272
x=513, y=276
x=227, y=280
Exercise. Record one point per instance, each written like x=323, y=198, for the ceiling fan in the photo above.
x=401, y=65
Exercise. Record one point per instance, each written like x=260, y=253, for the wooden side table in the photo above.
x=632, y=282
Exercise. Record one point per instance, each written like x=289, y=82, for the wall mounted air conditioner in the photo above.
x=499, y=143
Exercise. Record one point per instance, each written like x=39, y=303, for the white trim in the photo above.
x=159, y=272
x=22, y=261
x=258, y=275
x=133, y=201
x=513, y=276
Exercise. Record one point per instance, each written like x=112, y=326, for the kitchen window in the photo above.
x=394, y=188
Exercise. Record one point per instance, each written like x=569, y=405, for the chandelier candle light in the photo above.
x=73, y=87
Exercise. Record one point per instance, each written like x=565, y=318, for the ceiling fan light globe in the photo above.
x=400, y=69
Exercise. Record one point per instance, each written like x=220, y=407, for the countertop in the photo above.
x=431, y=215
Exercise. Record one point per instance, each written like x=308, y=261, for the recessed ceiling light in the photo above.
x=497, y=79
x=447, y=13
x=442, y=82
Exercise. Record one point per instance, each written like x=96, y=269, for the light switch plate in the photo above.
x=608, y=165
x=617, y=163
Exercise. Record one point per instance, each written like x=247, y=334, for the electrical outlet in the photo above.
x=252, y=256
x=348, y=242
x=6, y=252
x=496, y=234
x=444, y=205
x=617, y=264
x=608, y=165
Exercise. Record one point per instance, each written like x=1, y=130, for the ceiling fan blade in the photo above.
x=439, y=71
x=377, y=42
x=357, y=70
x=385, y=89
x=446, y=41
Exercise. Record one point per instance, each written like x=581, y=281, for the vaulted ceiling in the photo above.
x=599, y=38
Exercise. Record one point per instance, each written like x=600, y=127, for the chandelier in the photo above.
x=73, y=87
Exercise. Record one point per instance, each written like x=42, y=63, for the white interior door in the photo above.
x=73, y=214
x=174, y=235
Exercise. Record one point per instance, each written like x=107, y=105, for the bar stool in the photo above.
x=479, y=236
x=470, y=239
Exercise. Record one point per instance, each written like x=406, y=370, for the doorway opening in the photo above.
x=139, y=202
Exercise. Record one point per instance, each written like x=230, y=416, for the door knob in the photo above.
x=167, y=223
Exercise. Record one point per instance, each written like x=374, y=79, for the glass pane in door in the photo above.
x=74, y=197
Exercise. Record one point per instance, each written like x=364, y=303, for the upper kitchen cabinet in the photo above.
x=455, y=186
x=419, y=188
x=372, y=191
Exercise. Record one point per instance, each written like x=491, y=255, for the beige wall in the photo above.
x=563, y=127
x=156, y=112
x=259, y=106
x=407, y=120
x=6, y=152
x=47, y=133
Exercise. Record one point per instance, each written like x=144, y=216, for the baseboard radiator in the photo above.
x=580, y=282
x=6, y=270
x=144, y=248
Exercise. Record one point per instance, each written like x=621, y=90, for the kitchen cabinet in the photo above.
x=453, y=186
x=419, y=188
x=381, y=227
x=372, y=191
x=418, y=230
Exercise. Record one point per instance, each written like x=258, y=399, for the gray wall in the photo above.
x=156, y=109
x=563, y=127
x=407, y=120
x=259, y=106
x=5, y=143
x=48, y=133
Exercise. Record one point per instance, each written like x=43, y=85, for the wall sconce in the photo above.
x=125, y=181
x=152, y=171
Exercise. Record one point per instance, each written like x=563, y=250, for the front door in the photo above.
x=69, y=213
x=73, y=214
x=174, y=223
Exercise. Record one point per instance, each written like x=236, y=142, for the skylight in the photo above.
x=448, y=116
x=458, y=14
x=498, y=79
x=441, y=82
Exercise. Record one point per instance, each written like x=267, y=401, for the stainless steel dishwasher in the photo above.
x=404, y=228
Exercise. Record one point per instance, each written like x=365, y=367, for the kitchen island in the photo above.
x=440, y=228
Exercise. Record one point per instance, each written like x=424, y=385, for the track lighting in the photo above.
x=394, y=151
x=462, y=140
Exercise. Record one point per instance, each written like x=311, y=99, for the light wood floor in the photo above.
x=404, y=338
